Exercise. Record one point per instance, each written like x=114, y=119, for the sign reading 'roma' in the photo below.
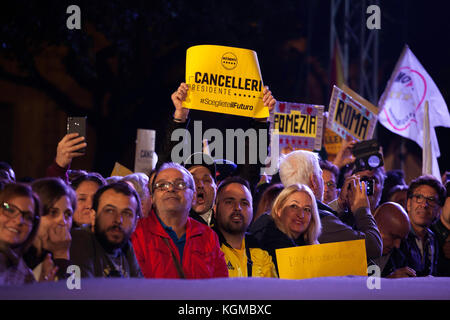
x=224, y=80
x=351, y=116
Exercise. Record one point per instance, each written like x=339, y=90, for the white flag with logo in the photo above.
x=403, y=101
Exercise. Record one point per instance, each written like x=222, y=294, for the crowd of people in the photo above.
x=214, y=218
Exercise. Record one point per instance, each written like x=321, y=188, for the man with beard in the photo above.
x=108, y=251
x=234, y=212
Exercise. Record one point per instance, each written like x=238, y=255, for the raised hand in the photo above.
x=344, y=156
x=67, y=149
x=269, y=101
x=48, y=271
x=177, y=98
x=58, y=241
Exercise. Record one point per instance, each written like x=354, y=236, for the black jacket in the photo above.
x=271, y=238
x=87, y=252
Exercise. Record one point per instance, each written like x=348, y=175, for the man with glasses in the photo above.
x=426, y=196
x=330, y=175
x=108, y=251
x=170, y=244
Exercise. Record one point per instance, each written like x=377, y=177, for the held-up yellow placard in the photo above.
x=120, y=170
x=224, y=80
x=323, y=260
x=332, y=143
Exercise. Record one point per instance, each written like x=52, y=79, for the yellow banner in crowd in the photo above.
x=120, y=170
x=332, y=143
x=323, y=260
x=224, y=80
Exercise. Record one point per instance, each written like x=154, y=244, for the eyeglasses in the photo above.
x=330, y=184
x=431, y=201
x=11, y=211
x=165, y=185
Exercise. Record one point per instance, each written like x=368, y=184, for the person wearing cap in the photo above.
x=441, y=229
x=204, y=173
x=234, y=211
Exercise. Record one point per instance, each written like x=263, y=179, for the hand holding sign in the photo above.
x=178, y=97
x=269, y=101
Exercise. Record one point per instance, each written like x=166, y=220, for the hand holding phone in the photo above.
x=77, y=125
x=68, y=148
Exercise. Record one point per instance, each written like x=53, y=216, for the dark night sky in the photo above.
x=158, y=51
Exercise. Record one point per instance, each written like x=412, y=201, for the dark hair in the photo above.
x=267, y=198
x=327, y=165
x=150, y=180
x=447, y=188
x=230, y=180
x=90, y=176
x=393, y=178
x=12, y=190
x=51, y=190
x=5, y=173
x=431, y=181
x=119, y=187
x=397, y=188
x=380, y=172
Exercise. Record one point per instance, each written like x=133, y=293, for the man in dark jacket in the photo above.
x=108, y=252
x=393, y=222
x=441, y=229
x=426, y=196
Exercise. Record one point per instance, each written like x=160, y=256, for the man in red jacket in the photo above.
x=170, y=244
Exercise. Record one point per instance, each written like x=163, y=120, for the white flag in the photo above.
x=403, y=101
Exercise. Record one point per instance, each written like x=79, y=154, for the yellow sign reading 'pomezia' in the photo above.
x=323, y=260
x=225, y=80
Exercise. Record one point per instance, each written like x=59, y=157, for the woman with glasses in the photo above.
x=19, y=222
x=294, y=221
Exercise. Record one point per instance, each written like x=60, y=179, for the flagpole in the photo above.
x=426, y=152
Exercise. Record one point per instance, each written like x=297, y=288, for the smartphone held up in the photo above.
x=77, y=125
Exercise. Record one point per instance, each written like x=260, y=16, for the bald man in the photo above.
x=393, y=223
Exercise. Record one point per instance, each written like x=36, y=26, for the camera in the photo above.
x=367, y=155
x=369, y=185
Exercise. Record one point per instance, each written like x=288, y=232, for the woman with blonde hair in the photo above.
x=293, y=221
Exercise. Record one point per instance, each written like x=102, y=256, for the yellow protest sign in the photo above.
x=350, y=115
x=120, y=170
x=323, y=260
x=224, y=80
x=332, y=143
